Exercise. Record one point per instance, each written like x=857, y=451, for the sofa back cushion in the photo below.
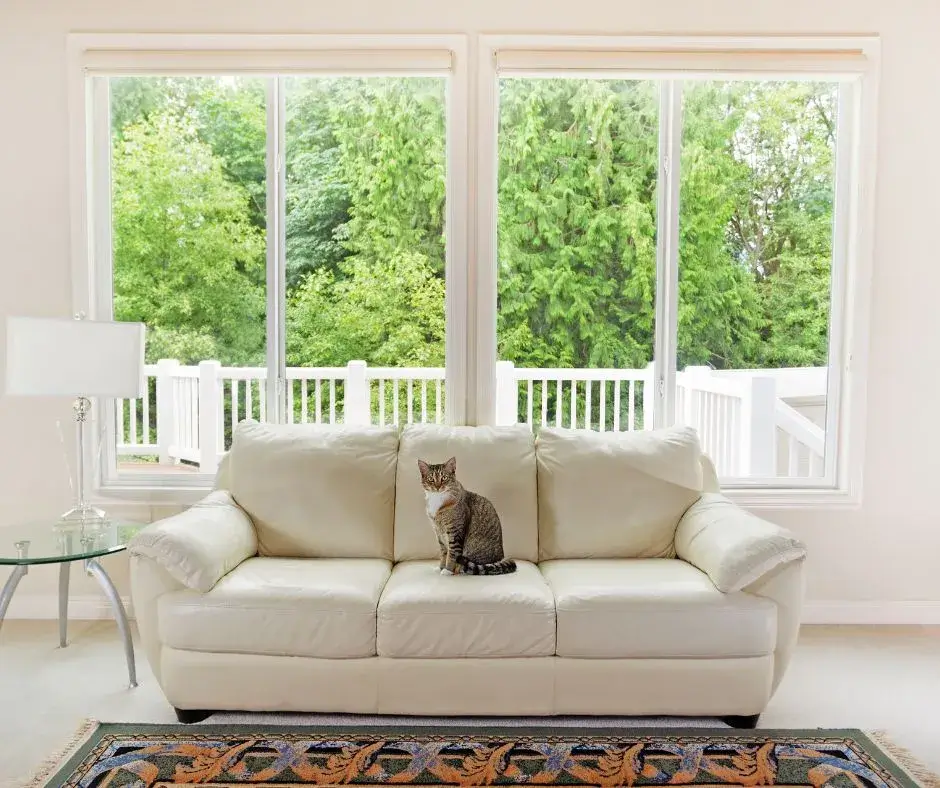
x=614, y=494
x=498, y=462
x=316, y=491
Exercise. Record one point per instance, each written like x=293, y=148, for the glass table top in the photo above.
x=52, y=541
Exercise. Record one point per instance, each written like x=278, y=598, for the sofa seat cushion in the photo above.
x=657, y=607
x=281, y=606
x=423, y=614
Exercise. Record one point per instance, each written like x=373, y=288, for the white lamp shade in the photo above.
x=62, y=357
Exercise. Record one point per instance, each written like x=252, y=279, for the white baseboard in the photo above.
x=872, y=612
x=88, y=607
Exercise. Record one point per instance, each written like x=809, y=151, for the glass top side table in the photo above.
x=60, y=542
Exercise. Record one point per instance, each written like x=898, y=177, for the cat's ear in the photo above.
x=450, y=467
x=423, y=467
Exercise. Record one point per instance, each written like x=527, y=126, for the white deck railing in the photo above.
x=189, y=412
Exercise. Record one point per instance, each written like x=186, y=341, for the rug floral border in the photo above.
x=871, y=748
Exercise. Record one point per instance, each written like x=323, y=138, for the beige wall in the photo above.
x=886, y=551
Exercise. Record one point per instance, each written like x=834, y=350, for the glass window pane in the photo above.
x=756, y=214
x=576, y=252
x=365, y=249
x=188, y=188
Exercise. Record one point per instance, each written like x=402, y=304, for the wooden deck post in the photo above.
x=356, y=399
x=507, y=394
x=759, y=428
x=209, y=416
x=166, y=409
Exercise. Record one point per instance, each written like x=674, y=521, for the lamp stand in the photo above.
x=82, y=511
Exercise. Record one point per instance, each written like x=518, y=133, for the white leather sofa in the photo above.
x=308, y=580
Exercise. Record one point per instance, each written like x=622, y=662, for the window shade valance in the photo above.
x=300, y=61
x=681, y=63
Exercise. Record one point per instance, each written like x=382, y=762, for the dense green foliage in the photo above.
x=365, y=173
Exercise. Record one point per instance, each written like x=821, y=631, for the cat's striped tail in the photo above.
x=504, y=567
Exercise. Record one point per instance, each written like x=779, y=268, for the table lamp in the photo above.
x=56, y=357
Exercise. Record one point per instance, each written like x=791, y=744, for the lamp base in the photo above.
x=84, y=513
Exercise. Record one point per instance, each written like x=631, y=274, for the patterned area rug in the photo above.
x=222, y=756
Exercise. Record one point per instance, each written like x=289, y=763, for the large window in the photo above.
x=576, y=251
x=189, y=226
x=365, y=252
x=664, y=232
x=757, y=187
x=675, y=235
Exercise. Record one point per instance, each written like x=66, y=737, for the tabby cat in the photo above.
x=468, y=529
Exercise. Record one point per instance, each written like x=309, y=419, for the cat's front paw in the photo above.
x=446, y=571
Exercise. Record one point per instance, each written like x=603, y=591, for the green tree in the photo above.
x=372, y=287
x=186, y=256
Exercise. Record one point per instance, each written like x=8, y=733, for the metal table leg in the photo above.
x=64, y=568
x=94, y=568
x=9, y=587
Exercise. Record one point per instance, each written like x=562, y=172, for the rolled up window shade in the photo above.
x=681, y=63
x=116, y=62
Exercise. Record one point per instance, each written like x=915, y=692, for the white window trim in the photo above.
x=471, y=189
x=91, y=54
x=853, y=61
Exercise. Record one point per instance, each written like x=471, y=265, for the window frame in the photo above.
x=272, y=56
x=472, y=123
x=853, y=61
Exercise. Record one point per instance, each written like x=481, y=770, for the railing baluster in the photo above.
x=318, y=397
x=119, y=421
x=558, y=402
x=715, y=418
x=528, y=406
x=395, y=405
x=574, y=404
x=132, y=420
x=194, y=411
x=332, y=400
x=631, y=407
x=793, y=456
x=381, y=402
x=411, y=402
x=733, y=449
x=617, y=404
x=220, y=417
x=424, y=401
x=182, y=431
x=290, y=401
x=603, y=405
x=815, y=463
x=262, y=400
x=587, y=404
x=303, y=400
x=726, y=461
x=437, y=403
x=249, y=403
x=145, y=415
x=234, y=385
x=543, y=384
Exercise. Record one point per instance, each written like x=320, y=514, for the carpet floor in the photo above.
x=224, y=756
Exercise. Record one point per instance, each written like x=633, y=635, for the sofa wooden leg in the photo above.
x=189, y=716
x=741, y=721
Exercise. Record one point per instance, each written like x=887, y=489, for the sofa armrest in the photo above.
x=733, y=547
x=201, y=545
x=741, y=552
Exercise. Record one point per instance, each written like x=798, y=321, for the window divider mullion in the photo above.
x=276, y=249
x=667, y=253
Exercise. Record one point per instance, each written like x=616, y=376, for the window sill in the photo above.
x=766, y=498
